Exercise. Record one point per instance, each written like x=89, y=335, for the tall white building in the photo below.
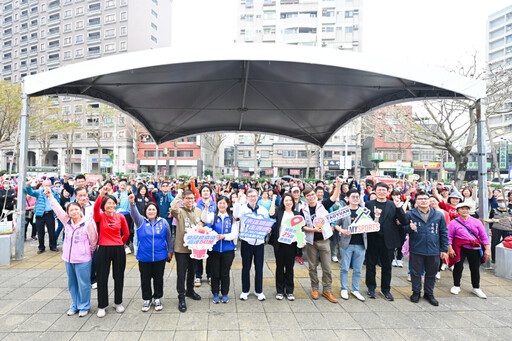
x=327, y=23
x=316, y=23
x=41, y=35
x=499, y=38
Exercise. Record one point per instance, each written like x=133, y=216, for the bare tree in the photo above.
x=10, y=107
x=97, y=120
x=256, y=139
x=310, y=152
x=214, y=141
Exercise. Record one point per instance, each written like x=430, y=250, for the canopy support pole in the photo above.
x=22, y=177
x=483, y=209
x=156, y=160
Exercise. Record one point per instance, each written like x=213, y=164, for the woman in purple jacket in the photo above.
x=466, y=236
x=80, y=241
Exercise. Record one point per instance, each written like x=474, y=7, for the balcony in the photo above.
x=53, y=61
x=33, y=53
x=24, y=4
x=7, y=47
x=299, y=38
x=6, y=71
x=54, y=7
x=298, y=22
x=34, y=14
x=7, y=59
x=269, y=37
x=54, y=48
x=23, y=42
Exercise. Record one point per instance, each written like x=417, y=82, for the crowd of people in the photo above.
x=435, y=225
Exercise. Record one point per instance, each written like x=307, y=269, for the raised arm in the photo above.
x=336, y=194
x=175, y=204
x=61, y=214
x=138, y=219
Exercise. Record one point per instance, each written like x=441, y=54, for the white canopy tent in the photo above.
x=301, y=92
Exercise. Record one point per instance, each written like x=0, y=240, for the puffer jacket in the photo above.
x=40, y=203
x=431, y=237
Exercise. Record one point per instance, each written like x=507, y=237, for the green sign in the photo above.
x=449, y=165
x=503, y=155
x=404, y=170
x=106, y=164
x=474, y=165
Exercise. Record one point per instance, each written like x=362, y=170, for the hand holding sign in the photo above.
x=199, y=240
x=256, y=226
x=293, y=232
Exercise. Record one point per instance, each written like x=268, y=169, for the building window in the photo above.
x=67, y=41
x=349, y=14
x=68, y=13
x=185, y=153
x=124, y=16
x=328, y=12
x=265, y=154
x=110, y=18
x=78, y=108
x=43, y=47
x=67, y=55
x=124, y=31
x=289, y=154
x=79, y=11
x=79, y=53
x=154, y=13
x=79, y=39
x=328, y=154
x=110, y=4
x=302, y=154
x=155, y=2
x=349, y=29
x=247, y=154
x=153, y=38
x=79, y=25
x=67, y=27
x=153, y=26
x=43, y=33
x=110, y=33
x=110, y=48
x=107, y=135
x=124, y=2
x=122, y=46
x=42, y=60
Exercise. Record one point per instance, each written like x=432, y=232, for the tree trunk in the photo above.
x=214, y=164
x=461, y=166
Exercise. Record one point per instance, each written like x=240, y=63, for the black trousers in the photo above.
x=129, y=221
x=155, y=271
x=285, y=260
x=473, y=257
x=198, y=264
x=220, y=265
x=497, y=237
x=250, y=252
x=377, y=250
x=49, y=220
x=116, y=256
x=93, y=267
x=431, y=264
x=185, y=273
x=34, y=228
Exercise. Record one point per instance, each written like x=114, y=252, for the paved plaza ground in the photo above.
x=34, y=300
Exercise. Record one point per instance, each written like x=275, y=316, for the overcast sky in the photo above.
x=435, y=32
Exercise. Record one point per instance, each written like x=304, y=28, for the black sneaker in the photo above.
x=54, y=250
x=193, y=295
x=415, y=297
x=431, y=299
x=40, y=251
x=371, y=293
x=387, y=296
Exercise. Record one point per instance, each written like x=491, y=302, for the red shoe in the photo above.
x=300, y=260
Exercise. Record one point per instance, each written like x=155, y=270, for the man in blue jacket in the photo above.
x=163, y=198
x=428, y=241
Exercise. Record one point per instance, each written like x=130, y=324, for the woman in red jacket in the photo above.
x=110, y=251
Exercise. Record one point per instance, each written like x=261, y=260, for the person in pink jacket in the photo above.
x=80, y=241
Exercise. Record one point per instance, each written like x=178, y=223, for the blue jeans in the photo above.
x=59, y=229
x=79, y=285
x=355, y=254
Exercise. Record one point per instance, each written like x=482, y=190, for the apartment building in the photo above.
x=41, y=35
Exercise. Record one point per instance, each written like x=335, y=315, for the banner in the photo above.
x=269, y=172
x=93, y=178
x=404, y=170
x=106, y=164
x=294, y=171
x=338, y=214
x=293, y=232
x=363, y=222
x=256, y=226
x=246, y=175
x=132, y=166
x=199, y=239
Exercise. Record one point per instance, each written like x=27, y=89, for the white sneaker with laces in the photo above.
x=444, y=267
x=197, y=282
x=478, y=292
x=438, y=275
x=357, y=295
x=71, y=312
x=279, y=297
x=94, y=286
x=127, y=250
x=335, y=259
x=455, y=290
x=344, y=294
x=158, y=304
x=146, y=305
x=83, y=313
x=244, y=296
x=409, y=277
x=119, y=308
x=400, y=263
x=394, y=263
x=101, y=313
x=261, y=296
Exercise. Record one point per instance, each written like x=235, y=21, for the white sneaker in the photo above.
x=357, y=295
x=479, y=292
x=455, y=290
x=127, y=250
x=146, y=305
x=335, y=259
x=101, y=313
x=158, y=305
x=261, y=296
x=72, y=312
x=279, y=297
x=119, y=308
x=444, y=267
x=344, y=294
x=438, y=275
x=409, y=277
x=244, y=296
x=197, y=282
x=83, y=313
x=394, y=262
x=94, y=286
x=400, y=263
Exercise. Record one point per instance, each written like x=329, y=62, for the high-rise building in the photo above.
x=315, y=23
x=332, y=23
x=499, y=38
x=39, y=36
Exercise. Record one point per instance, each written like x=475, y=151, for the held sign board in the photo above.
x=293, y=232
x=199, y=239
x=324, y=220
x=404, y=170
x=363, y=222
x=294, y=171
x=256, y=227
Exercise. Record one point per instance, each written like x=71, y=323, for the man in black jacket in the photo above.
x=381, y=244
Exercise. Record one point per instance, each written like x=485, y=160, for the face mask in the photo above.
x=501, y=204
x=287, y=189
